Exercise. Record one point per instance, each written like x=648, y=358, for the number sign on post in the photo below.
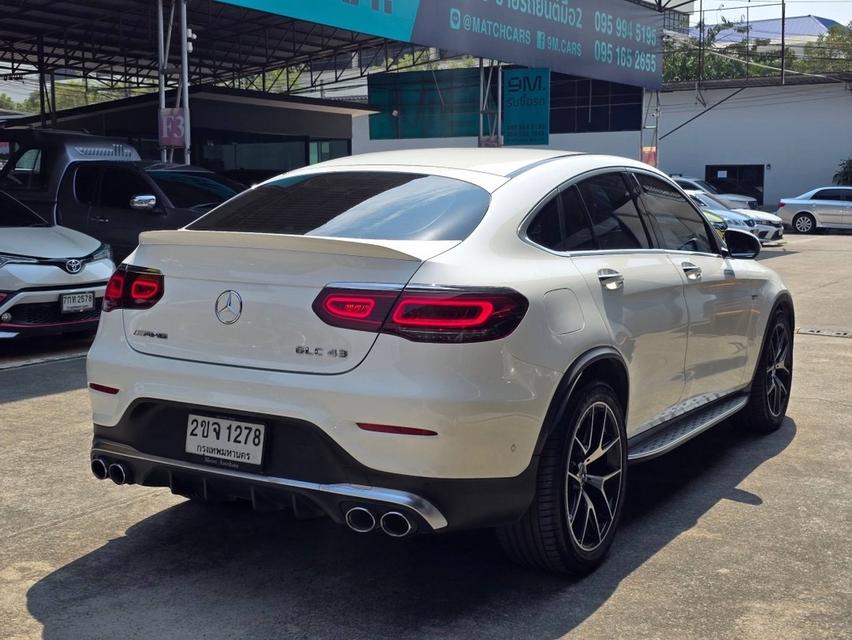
x=172, y=128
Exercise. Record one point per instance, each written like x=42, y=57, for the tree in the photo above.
x=844, y=173
x=831, y=53
x=6, y=102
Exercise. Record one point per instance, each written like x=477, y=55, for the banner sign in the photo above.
x=526, y=106
x=172, y=128
x=610, y=40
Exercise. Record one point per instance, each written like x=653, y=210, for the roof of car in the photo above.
x=496, y=161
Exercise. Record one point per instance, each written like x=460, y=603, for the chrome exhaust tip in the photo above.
x=396, y=524
x=118, y=473
x=360, y=519
x=99, y=469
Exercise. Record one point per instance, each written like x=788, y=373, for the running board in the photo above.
x=670, y=435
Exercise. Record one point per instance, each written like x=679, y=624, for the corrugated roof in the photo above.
x=796, y=27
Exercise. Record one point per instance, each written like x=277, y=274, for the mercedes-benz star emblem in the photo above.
x=73, y=265
x=229, y=307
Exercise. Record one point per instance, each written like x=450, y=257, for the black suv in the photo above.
x=116, y=201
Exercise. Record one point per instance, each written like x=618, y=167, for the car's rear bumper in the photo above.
x=300, y=463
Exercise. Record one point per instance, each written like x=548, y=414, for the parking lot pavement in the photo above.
x=731, y=536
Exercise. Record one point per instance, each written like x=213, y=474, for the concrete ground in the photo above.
x=731, y=536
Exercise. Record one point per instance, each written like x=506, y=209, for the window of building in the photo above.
x=679, y=226
x=614, y=216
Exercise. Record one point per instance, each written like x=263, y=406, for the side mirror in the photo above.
x=742, y=244
x=143, y=202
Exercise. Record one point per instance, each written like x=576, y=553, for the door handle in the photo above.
x=610, y=279
x=692, y=271
x=102, y=220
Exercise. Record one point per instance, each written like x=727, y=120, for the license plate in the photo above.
x=75, y=302
x=222, y=439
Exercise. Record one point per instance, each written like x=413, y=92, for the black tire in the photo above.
x=803, y=223
x=544, y=537
x=773, y=378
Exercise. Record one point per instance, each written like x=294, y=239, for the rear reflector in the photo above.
x=103, y=388
x=425, y=315
x=386, y=428
x=133, y=288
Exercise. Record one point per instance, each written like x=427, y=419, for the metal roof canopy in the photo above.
x=115, y=42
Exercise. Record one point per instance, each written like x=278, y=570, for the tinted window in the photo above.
x=830, y=194
x=188, y=189
x=615, y=219
x=85, y=181
x=24, y=170
x=15, y=214
x=118, y=186
x=562, y=224
x=546, y=227
x=364, y=204
x=679, y=226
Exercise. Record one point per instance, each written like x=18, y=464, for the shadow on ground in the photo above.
x=36, y=380
x=211, y=572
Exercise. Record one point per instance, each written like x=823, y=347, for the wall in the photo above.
x=799, y=133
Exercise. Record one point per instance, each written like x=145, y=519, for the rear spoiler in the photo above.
x=411, y=250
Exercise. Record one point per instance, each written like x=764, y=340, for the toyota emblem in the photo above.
x=229, y=307
x=73, y=265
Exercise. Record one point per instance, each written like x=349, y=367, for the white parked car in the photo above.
x=52, y=279
x=428, y=340
x=823, y=208
x=766, y=227
x=731, y=200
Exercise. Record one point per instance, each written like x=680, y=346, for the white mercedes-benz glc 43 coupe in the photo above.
x=52, y=279
x=423, y=341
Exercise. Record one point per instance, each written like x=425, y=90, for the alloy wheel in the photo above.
x=778, y=370
x=804, y=224
x=593, y=484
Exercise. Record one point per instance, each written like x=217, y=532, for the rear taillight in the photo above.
x=425, y=315
x=133, y=288
x=782, y=204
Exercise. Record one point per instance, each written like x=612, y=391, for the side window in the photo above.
x=561, y=225
x=26, y=169
x=118, y=186
x=615, y=219
x=679, y=226
x=85, y=180
x=829, y=194
x=546, y=227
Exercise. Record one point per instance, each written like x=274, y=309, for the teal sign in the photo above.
x=609, y=40
x=526, y=106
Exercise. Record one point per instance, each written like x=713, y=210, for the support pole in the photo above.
x=783, y=42
x=52, y=99
x=41, y=88
x=161, y=69
x=184, y=81
x=499, y=104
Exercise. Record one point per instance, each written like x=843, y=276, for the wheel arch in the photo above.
x=805, y=212
x=782, y=301
x=599, y=363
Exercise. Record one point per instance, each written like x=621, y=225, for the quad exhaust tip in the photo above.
x=99, y=469
x=360, y=519
x=118, y=473
x=396, y=524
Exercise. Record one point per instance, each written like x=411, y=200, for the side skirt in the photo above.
x=670, y=435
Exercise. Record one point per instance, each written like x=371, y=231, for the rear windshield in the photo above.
x=377, y=205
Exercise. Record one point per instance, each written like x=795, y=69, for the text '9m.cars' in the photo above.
x=425, y=341
x=52, y=279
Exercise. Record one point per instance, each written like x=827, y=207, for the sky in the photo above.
x=735, y=10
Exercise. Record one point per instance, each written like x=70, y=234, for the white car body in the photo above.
x=40, y=266
x=823, y=208
x=730, y=200
x=766, y=227
x=680, y=341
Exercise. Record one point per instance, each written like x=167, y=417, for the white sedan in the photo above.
x=423, y=341
x=52, y=279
